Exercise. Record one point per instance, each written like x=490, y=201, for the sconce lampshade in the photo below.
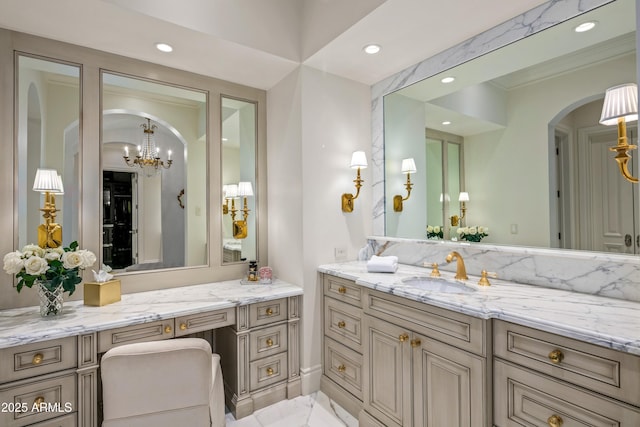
x=464, y=196
x=620, y=102
x=358, y=160
x=408, y=166
x=230, y=191
x=245, y=189
x=48, y=180
x=60, y=191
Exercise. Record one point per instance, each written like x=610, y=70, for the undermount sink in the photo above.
x=437, y=285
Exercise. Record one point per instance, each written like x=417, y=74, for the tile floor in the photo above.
x=314, y=410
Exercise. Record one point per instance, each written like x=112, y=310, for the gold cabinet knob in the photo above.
x=416, y=343
x=269, y=371
x=403, y=337
x=37, y=358
x=341, y=324
x=555, y=421
x=168, y=329
x=183, y=326
x=269, y=311
x=556, y=356
x=269, y=342
x=38, y=401
x=342, y=368
x=342, y=290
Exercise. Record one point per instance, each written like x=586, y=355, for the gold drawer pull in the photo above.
x=555, y=421
x=342, y=290
x=269, y=371
x=341, y=324
x=269, y=311
x=342, y=368
x=269, y=342
x=416, y=343
x=167, y=329
x=556, y=356
x=37, y=358
x=403, y=337
x=183, y=326
x=38, y=401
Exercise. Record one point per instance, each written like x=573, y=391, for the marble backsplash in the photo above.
x=607, y=275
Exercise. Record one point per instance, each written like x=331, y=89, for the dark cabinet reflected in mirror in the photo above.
x=154, y=175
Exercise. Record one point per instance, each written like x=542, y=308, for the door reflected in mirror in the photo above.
x=154, y=175
x=239, y=136
x=48, y=137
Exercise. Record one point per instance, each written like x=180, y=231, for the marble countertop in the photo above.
x=25, y=325
x=607, y=322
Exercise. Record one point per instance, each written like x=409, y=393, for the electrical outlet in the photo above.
x=514, y=228
x=340, y=253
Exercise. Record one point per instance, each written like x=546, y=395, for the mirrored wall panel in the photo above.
x=48, y=139
x=239, y=136
x=537, y=169
x=154, y=175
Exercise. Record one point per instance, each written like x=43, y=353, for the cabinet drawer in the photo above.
x=459, y=330
x=64, y=421
x=159, y=330
x=526, y=398
x=343, y=290
x=204, y=321
x=267, y=371
x=266, y=312
x=343, y=323
x=57, y=395
x=600, y=369
x=37, y=359
x=267, y=341
x=343, y=366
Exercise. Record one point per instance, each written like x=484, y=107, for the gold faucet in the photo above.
x=461, y=271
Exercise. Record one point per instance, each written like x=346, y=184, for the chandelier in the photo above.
x=148, y=157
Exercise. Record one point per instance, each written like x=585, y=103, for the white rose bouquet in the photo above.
x=473, y=234
x=434, y=231
x=57, y=266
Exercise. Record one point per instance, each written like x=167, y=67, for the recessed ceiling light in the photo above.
x=372, y=49
x=225, y=139
x=163, y=47
x=585, y=26
x=448, y=79
x=446, y=123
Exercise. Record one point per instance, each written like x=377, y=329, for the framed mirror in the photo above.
x=48, y=137
x=536, y=164
x=239, y=139
x=154, y=175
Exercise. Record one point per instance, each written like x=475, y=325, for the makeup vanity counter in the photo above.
x=527, y=355
x=254, y=327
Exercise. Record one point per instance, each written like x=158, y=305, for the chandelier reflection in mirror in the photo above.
x=148, y=157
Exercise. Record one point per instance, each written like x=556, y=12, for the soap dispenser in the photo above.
x=252, y=276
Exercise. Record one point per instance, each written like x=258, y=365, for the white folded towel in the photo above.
x=382, y=264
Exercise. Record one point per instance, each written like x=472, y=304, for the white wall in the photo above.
x=315, y=121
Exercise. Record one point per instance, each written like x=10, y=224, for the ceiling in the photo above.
x=259, y=42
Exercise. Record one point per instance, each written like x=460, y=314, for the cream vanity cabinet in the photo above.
x=542, y=379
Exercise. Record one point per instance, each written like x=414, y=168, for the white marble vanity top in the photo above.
x=608, y=322
x=24, y=325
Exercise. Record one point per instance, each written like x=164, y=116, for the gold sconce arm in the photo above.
x=462, y=198
x=347, y=199
x=622, y=149
x=398, y=199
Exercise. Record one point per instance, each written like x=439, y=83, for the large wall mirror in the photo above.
x=154, y=175
x=48, y=137
x=536, y=165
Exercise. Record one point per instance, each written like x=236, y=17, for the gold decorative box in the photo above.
x=99, y=294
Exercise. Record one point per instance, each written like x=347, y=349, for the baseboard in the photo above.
x=310, y=379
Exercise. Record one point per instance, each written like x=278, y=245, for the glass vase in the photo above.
x=51, y=298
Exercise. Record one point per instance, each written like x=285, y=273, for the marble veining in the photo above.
x=608, y=322
x=24, y=325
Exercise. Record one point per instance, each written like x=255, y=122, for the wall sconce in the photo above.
x=620, y=106
x=462, y=198
x=358, y=161
x=240, y=226
x=408, y=167
x=48, y=181
x=229, y=192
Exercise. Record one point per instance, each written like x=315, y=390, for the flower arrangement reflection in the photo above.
x=434, y=231
x=52, y=267
x=473, y=234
